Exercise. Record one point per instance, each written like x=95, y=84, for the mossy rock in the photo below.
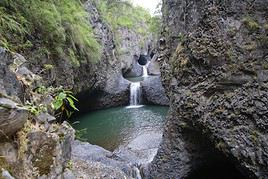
x=251, y=24
x=265, y=66
x=43, y=159
x=265, y=26
x=5, y=165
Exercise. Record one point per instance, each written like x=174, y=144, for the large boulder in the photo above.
x=153, y=91
x=115, y=93
x=134, y=70
x=94, y=161
x=12, y=117
x=43, y=152
x=91, y=161
x=214, y=73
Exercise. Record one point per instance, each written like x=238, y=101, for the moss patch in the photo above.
x=251, y=24
x=22, y=138
x=44, y=158
x=4, y=165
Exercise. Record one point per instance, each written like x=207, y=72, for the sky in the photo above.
x=147, y=4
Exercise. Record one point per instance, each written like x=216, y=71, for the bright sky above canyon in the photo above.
x=147, y=4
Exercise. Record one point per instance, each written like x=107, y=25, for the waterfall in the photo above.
x=145, y=71
x=135, y=93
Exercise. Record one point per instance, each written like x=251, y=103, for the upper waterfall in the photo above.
x=145, y=71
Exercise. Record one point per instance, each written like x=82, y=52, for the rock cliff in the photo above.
x=32, y=145
x=213, y=58
x=29, y=147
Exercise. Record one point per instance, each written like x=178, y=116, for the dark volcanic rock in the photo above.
x=88, y=77
x=108, y=84
x=154, y=67
x=9, y=84
x=153, y=91
x=135, y=70
x=12, y=114
x=12, y=117
x=213, y=62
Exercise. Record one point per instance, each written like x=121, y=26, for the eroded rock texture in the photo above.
x=104, y=83
x=214, y=57
x=12, y=114
x=30, y=147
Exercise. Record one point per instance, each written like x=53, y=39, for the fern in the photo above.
x=55, y=25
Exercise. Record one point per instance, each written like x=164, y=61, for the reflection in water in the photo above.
x=117, y=126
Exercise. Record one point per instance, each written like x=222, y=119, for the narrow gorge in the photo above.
x=116, y=89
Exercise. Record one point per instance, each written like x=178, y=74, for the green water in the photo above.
x=135, y=79
x=113, y=127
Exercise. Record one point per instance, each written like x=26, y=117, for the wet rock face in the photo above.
x=132, y=46
x=213, y=63
x=153, y=91
x=135, y=70
x=102, y=83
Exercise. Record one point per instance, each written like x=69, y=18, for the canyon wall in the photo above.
x=214, y=58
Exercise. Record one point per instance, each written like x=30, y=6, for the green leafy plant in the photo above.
x=35, y=109
x=69, y=164
x=64, y=102
x=79, y=134
x=48, y=66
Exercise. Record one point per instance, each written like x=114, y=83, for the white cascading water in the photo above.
x=135, y=93
x=145, y=71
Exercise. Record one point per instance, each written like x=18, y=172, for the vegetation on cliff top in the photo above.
x=57, y=29
x=60, y=29
x=121, y=14
x=118, y=13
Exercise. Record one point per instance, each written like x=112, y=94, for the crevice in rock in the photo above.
x=208, y=162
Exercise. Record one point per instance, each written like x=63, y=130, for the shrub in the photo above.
x=119, y=13
x=60, y=27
